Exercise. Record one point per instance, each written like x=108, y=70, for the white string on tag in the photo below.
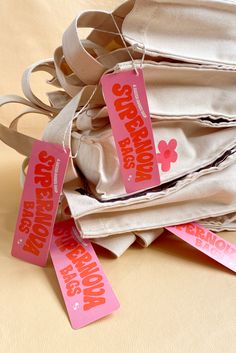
x=125, y=45
x=143, y=57
x=85, y=107
x=136, y=45
x=76, y=116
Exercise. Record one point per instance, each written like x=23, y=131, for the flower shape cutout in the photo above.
x=167, y=154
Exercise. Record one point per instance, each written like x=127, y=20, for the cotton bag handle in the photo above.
x=59, y=129
x=74, y=50
x=9, y=135
x=45, y=66
x=83, y=64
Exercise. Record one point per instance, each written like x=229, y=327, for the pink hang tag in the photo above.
x=86, y=291
x=126, y=100
x=207, y=242
x=39, y=202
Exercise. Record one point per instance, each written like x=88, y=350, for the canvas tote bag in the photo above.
x=78, y=116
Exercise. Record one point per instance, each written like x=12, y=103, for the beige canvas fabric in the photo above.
x=74, y=50
x=202, y=31
x=119, y=243
x=225, y=222
x=197, y=147
x=102, y=172
x=192, y=103
x=192, y=198
x=93, y=19
x=58, y=99
x=210, y=24
x=209, y=92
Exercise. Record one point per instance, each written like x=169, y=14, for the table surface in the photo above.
x=173, y=298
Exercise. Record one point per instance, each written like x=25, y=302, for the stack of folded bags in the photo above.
x=187, y=51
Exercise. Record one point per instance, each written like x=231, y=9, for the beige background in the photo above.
x=173, y=298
